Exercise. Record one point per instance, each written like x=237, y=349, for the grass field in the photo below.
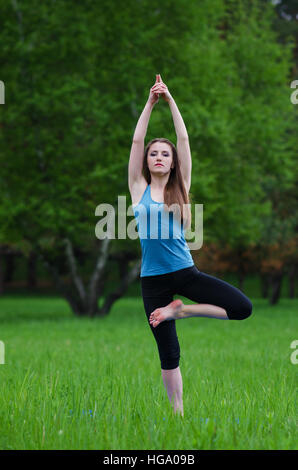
x=70, y=383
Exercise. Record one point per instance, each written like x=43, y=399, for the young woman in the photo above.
x=159, y=176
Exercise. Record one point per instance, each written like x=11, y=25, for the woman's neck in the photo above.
x=159, y=183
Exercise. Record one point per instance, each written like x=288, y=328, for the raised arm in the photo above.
x=137, y=149
x=183, y=148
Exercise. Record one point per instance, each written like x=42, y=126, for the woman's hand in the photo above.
x=153, y=95
x=161, y=88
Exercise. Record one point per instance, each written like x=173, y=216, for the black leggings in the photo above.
x=158, y=291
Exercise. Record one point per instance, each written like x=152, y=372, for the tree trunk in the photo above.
x=241, y=278
x=61, y=287
x=292, y=280
x=125, y=281
x=265, y=285
x=31, y=270
x=241, y=267
x=9, y=267
x=84, y=300
x=276, y=283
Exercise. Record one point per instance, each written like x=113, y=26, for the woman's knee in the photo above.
x=169, y=358
x=243, y=311
x=246, y=310
x=169, y=363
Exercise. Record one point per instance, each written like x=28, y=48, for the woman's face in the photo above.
x=160, y=158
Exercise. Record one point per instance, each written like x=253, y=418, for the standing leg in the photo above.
x=172, y=380
x=169, y=352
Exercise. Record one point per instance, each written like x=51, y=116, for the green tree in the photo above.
x=76, y=82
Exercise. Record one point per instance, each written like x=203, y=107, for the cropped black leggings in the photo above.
x=158, y=291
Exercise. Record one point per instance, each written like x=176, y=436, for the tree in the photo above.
x=77, y=80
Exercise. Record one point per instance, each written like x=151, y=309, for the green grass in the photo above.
x=70, y=383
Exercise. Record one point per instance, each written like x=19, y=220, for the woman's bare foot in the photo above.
x=170, y=312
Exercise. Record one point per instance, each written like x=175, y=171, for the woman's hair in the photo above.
x=174, y=191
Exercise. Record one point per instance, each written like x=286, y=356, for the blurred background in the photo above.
x=77, y=76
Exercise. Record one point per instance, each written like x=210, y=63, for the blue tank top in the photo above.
x=164, y=248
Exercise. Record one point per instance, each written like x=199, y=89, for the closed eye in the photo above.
x=165, y=154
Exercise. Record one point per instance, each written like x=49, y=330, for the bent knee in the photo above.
x=244, y=311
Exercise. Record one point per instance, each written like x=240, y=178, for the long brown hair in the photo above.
x=174, y=191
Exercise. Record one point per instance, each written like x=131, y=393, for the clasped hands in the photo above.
x=159, y=88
